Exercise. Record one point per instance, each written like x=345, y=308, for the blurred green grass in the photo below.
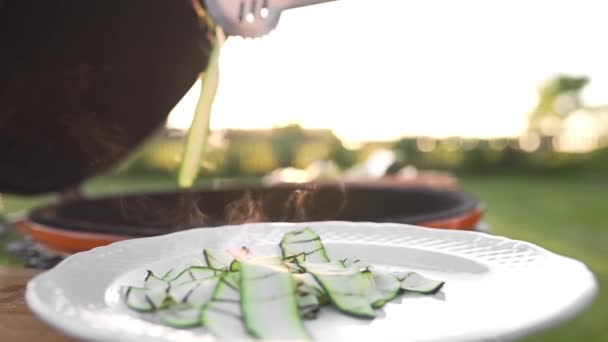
x=566, y=214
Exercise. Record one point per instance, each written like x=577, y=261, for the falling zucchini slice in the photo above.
x=181, y=316
x=414, y=282
x=347, y=288
x=144, y=299
x=268, y=301
x=303, y=245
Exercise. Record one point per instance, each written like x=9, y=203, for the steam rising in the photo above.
x=283, y=203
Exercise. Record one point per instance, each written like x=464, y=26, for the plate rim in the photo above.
x=61, y=323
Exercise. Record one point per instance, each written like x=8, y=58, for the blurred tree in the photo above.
x=557, y=97
x=408, y=150
x=285, y=141
x=309, y=152
x=257, y=157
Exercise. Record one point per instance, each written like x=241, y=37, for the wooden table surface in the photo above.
x=17, y=323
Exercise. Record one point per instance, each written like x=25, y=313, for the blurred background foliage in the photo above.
x=548, y=186
x=255, y=153
x=550, y=144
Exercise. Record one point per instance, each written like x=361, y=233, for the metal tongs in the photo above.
x=245, y=18
x=251, y=18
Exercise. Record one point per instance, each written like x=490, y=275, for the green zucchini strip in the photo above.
x=222, y=315
x=310, y=295
x=218, y=259
x=144, y=299
x=196, y=139
x=303, y=245
x=193, y=273
x=347, y=288
x=267, y=297
x=414, y=282
x=351, y=262
x=387, y=285
x=171, y=274
x=175, y=271
x=306, y=283
x=268, y=301
x=326, y=267
x=375, y=298
x=195, y=292
x=308, y=304
x=181, y=316
x=225, y=260
x=153, y=282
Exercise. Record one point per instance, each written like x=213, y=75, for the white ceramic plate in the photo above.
x=496, y=288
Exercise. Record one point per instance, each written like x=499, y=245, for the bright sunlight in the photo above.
x=382, y=69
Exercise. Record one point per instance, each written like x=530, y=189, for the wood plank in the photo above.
x=17, y=322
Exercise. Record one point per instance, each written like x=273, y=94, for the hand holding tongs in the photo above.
x=251, y=18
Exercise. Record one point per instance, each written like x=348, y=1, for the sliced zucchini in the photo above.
x=203, y=293
x=414, y=282
x=196, y=292
x=303, y=245
x=379, y=287
x=181, y=316
x=309, y=304
x=310, y=295
x=348, y=262
x=153, y=282
x=179, y=293
x=230, y=287
x=237, y=294
x=144, y=299
x=234, y=266
x=293, y=266
x=347, y=288
x=375, y=298
x=387, y=285
x=351, y=262
x=224, y=320
x=225, y=260
x=218, y=259
x=268, y=301
x=326, y=267
x=306, y=283
x=193, y=273
x=222, y=315
x=175, y=271
x=172, y=273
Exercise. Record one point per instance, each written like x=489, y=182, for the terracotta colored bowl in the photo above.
x=80, y=225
